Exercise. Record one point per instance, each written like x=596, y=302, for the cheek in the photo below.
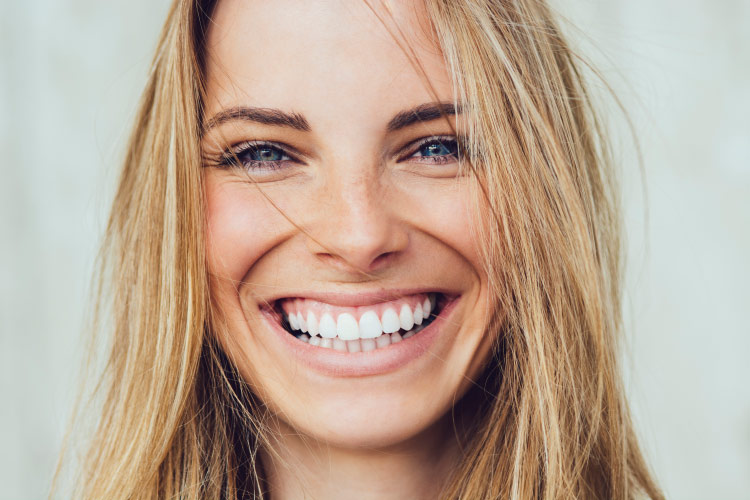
x=241, y=226
x=450, y=215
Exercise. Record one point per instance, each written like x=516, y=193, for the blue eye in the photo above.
x=263, y=153
x=436, y=150
x=256, y=156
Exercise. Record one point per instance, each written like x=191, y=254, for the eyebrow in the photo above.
x=266, y=116
x=422, y=113
x=270, y=116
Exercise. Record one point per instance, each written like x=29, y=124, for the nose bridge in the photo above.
x=355, y=227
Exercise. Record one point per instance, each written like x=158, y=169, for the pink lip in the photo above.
x=357, y=299
x=344, y=364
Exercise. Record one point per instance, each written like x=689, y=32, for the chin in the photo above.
x=364, y=423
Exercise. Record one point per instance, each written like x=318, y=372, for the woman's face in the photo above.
x=335, y=208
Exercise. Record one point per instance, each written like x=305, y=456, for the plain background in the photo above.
x=70, y=74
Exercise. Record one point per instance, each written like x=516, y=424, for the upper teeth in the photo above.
x=361, y=322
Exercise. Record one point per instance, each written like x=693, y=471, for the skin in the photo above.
x=348, y=214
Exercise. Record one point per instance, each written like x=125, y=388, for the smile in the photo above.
x=359, y=328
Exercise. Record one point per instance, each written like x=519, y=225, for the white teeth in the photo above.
x=357, y=345
x=292, y=318
x=353, y=346
x=346, y=327
x=426, y=308
x=390, y=321
x=312, y=323
x=343, y=333
x=406, y=318
x=369, y=325
x=383, y=341
x=368, y=345
x=327, y=326
x=418, y=314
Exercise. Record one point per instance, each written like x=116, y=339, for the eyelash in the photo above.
x=232, y=158
x=441, y=140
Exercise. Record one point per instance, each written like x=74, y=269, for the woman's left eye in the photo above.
x=435, y=150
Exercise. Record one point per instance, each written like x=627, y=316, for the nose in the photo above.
x=355, y=228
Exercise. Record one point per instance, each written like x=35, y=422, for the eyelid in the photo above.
x=241, y=147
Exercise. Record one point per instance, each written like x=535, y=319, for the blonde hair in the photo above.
x=175, y=419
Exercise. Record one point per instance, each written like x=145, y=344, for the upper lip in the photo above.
x=364, y=298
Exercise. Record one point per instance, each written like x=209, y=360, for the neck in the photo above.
x=301, y=467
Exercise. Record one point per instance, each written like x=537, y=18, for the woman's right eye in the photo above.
x=256, y=155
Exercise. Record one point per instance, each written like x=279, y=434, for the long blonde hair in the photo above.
x=175, y=419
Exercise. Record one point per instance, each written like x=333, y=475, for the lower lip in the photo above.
x=360, y=364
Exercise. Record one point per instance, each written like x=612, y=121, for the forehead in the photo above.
x=323, y=58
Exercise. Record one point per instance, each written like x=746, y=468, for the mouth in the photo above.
x=358, y=328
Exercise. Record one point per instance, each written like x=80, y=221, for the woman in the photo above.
x=364, y=250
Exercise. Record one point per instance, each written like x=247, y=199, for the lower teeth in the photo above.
x=361, y=345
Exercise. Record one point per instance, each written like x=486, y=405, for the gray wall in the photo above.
x=70, y=72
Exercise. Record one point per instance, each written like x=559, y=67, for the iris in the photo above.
x=437, y=149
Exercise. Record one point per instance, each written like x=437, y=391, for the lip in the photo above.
x=359, y=299
x=360, y=364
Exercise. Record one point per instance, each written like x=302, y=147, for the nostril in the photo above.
x=360, y=265
x=382, y=260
